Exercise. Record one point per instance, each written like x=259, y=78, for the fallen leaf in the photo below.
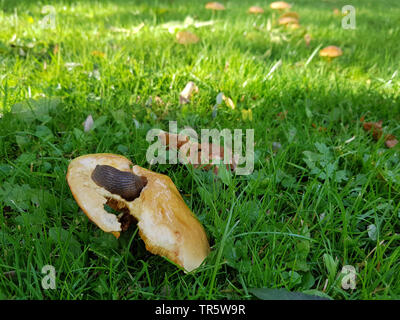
x=186, y=37
x=247, y=114
x=377, y=132
x=88, y=124
x=228, y=101
x=375, y=127
x=187, y=92
x=390, y=141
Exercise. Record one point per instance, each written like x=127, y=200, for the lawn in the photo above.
x=324, y=194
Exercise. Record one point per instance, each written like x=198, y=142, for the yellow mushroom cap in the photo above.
x=280, y=5
x=293, y=26
x=186, y=37
x=331, y=52
x=291, y=15
x=215, y=6
x=287, y=21
x=256, y=10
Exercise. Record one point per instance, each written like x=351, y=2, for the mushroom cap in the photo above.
x=186, y=37
x=215, y=6
x=166, y=224
x=291, y=14
x=331, y=52
x=293, y=26
x=280, y=5
x=256, y=10
x=89, y=196
x=287, y=21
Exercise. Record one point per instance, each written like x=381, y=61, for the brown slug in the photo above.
x=123, y=183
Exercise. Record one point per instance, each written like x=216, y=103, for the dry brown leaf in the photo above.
x=228, y=101
x=187, y=92
x=375, y=127
x=186, y=37
x=391, y=141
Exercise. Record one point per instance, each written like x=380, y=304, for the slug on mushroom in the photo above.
x=166, y=224
x=123, y=183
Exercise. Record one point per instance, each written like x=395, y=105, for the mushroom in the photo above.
x=291, y=14
x=287, y=21
x=186, y=37
x=280, y=5
x=293, y=26
x=215, y=6
x=166, y=224
x=331, y=52
x=256, y=10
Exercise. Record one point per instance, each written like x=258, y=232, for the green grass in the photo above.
x=306, y=204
